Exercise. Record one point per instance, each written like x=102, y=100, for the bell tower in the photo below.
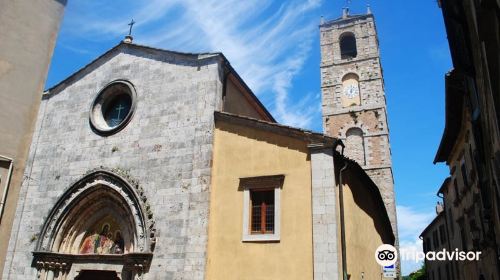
x=353, y=97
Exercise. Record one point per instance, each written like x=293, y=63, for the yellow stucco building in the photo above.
x=300, y=172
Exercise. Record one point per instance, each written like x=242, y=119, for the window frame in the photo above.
x=104, y=97
x=260, y=184
x=435, y=238
x=263, y=212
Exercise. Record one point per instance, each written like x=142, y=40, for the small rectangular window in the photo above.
x=261, y=208
x=455, y=188
x=463, y=170
x=442, y=234
x=262, y=211
x=451, y=223
x=435, y=239
x=463, y=239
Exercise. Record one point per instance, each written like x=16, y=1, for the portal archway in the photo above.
x=103, y=222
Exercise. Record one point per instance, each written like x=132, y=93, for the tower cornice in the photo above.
x=348, y=19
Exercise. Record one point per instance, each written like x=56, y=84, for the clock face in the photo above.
x=351, y=91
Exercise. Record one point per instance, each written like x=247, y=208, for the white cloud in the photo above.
x=411, y=223
x=410, y=248
x=267, y=43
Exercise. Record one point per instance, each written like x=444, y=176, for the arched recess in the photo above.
x=102, y=218
x=350, y=90
x=355, y=146
x=348, y=47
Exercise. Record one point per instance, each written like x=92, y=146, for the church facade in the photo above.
x=153, y=164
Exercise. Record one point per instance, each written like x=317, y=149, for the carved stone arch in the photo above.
x=104, y=200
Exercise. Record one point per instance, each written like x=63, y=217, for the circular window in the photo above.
x=113, y=107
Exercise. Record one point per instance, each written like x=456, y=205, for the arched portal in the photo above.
x=101, y=223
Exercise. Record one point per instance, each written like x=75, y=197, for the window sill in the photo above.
x=260, y=237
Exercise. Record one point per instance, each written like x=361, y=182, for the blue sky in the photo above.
x=274, y=46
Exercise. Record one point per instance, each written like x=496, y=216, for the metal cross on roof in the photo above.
x=131, y=24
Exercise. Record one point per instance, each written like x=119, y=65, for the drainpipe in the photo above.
x=342, y=220
x=7, y=183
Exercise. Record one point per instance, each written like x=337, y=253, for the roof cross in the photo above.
x=131, y=24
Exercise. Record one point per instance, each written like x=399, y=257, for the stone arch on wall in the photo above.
x=348, y=48
x=102, y=222
x=355, y=145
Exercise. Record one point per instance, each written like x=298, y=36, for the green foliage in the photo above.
x=416, y=275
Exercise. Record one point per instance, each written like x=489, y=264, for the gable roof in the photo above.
x=302, y=134
x=190, y=56
x=122, y=45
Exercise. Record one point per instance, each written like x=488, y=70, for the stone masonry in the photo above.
x=371, y=115
x=166, y=147
x=324, y=200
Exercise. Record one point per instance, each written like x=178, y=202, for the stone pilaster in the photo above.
x=324, y=200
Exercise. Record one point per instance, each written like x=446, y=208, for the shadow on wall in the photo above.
x=366, y=196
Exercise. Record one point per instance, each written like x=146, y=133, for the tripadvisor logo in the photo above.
x=443, y=255
x=386, y=255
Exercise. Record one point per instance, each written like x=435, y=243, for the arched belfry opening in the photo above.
x=348, y=47
x=102, y=224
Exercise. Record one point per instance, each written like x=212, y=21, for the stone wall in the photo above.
x=324, y=205
x=166, y=147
